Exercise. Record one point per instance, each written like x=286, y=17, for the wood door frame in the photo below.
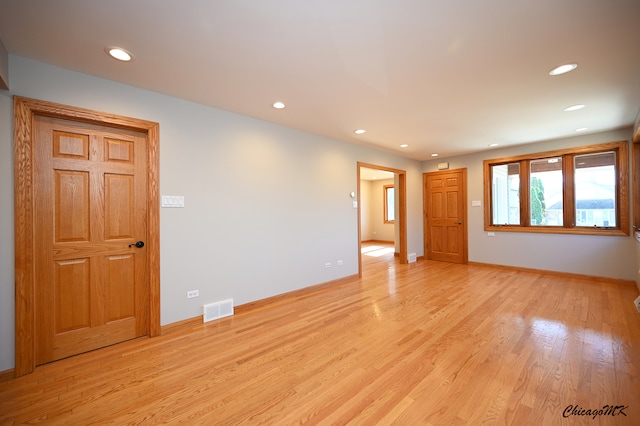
x=25, y=111
x=402, y=211
x=635, y=183
x=635, y=174
x=465, y=227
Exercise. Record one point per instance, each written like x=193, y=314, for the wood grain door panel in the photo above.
x=90, y=192
x=445, y=216
x=72, y=294
x=73, y=143
x=71, y=206
x=119, y=207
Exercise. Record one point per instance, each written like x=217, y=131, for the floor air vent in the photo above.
x=217, y=310
x=412, y=257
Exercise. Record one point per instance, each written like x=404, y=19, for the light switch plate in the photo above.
x=476, y=203
x=175, y=201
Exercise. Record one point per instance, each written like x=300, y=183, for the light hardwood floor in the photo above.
x=424, y=343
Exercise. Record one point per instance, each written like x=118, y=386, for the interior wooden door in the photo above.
x=445, y=216
x=90, y=210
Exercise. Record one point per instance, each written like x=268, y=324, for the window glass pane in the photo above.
x=589, y=176
x=545, y=192
x=389, y=204
x=505, y=195
x=595, y=189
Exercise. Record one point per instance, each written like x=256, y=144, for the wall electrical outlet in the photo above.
x=193, y=293
x=327, y=265
x=340, y=262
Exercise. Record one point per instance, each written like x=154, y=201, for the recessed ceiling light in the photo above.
x=563, y=69
x=119, y=54
x=493, y=144
x=404, y=145
x=434, y=155
x=359, y=131
x=278, y=105
x=574, y=107
x=582, y=129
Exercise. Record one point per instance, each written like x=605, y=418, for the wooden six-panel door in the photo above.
x=445, y=216
x=90, y=209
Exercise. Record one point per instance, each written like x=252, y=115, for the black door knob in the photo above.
x=138, y=244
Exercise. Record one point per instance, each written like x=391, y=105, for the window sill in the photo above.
x=558, y=230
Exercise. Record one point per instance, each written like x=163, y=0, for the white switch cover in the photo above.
x=175, y=201
x=476, y=203
x=355, y=204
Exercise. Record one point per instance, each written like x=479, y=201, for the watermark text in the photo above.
x=606, y=410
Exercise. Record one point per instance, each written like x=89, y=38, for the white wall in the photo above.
x=366, y=233
x=7, y=276
x=601, y=256
x=376, y=229
x=265, y=206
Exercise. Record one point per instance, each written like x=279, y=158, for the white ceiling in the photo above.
x=448, y=77
x=374, y=174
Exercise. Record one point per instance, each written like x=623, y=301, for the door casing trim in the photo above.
x=25, y=110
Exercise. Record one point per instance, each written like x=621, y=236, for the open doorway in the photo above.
x=381, y=213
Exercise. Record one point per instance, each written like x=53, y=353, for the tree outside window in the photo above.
x=537, y=202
